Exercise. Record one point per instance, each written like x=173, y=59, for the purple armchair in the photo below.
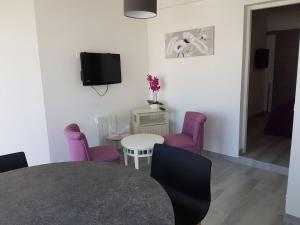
x=191, y=137
x=80, y=150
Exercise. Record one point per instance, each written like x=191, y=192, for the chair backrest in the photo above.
x=12, y=162
x=78, y=145
x=183, y=171
x=194, y=126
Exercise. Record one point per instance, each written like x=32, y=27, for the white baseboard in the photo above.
x=251, y=162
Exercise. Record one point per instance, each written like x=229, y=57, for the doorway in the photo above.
x=273, y=63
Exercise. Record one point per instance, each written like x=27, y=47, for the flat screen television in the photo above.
x=261, y=59
x=100, y=68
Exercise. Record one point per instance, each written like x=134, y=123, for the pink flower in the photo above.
x=153, y=83
x=149, y=78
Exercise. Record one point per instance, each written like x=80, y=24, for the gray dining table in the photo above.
x=82, y=193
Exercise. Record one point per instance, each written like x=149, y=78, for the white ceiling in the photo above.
x=170, y=3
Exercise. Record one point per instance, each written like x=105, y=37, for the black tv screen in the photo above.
x=100, y=69
x=261, y=58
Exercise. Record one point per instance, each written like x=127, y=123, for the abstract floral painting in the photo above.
x=190, y=43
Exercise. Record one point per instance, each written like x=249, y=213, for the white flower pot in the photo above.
x=154, y=106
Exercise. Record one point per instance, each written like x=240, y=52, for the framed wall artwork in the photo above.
x=190, y=43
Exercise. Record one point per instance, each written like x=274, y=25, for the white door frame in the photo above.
x=249, y=8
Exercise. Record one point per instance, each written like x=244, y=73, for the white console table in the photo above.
x=149, y=121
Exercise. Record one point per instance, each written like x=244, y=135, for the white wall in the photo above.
x=22, y=114
x=211, y=84
x=293, y=196
x=67, y=27
x=195, y=77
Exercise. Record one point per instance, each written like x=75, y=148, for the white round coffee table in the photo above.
x=140, y=146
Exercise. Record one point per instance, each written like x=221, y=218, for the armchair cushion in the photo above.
x=104, y=153
x=80, y=150
x=179, y=140
x=193, y=126
x=191, y=137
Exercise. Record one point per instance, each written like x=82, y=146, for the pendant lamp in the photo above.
x=140, y=9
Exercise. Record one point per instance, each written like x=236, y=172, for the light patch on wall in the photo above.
x=190, y=43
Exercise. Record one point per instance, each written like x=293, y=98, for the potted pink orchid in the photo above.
x=154, y=86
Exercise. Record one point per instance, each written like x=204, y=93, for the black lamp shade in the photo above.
x=140, y=9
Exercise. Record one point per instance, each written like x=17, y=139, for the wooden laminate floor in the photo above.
x=266, y=148
x=242, y=195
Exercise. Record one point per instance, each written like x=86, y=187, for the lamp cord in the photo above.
x=99, y=93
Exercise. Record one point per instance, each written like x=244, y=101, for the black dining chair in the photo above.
x=13, y=161
x=186, y=178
